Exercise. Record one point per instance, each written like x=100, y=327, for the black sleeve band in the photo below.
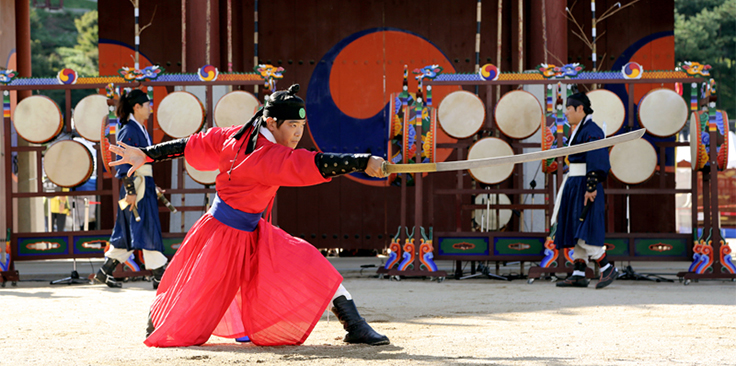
x=168, y=150
x=332, y=165
x=129, y=183
x=592, y=181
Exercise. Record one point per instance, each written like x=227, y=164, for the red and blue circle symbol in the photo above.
x=207, y=73
x=347, y=97
x=632, y=70
x=67, y=76
x=488, y=72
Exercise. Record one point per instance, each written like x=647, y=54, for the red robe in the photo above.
x=264, y=284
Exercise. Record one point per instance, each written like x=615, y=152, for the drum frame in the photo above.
x=658, y=186
x=107, y=189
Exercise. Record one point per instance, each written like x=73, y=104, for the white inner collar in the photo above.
x=267, y=134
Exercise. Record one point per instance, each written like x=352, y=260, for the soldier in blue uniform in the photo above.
x=139, y=192
x=578, y=226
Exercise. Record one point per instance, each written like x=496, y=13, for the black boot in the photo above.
x=104, y=275
x=576, y=281
x=158, y=273
x=358, y=329
x=149, y=328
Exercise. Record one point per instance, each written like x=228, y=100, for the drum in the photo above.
x=662, y=112
x=235, y=108
x=608, y=108
x=633, y=162
x=67, y=163
x=700, y=139
x=88, y=114
x=491, y=219
x=37, y=119
x=491, y=147
x=205, y=178
x=461, y=114
x=180, y=114
x=518, y=114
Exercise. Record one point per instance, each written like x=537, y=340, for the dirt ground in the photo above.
x=470, y=322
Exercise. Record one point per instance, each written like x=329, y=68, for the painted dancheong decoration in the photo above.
x=427, y=72
x=67, y=76
x=489, y=72
x=727, y=259
x=408, y=256
x=425, y=252
x=632, y=70
x=207, y=73
x=394, y=251
x=560, y=72
x=702, y=255
x=7, y=76
x=146, y=74
x=270, y=73
x=696, y=68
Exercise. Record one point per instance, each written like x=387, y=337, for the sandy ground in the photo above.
x=470, y=322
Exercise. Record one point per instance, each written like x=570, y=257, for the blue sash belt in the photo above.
x=233, y=217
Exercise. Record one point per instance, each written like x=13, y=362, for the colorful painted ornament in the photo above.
x=207, y=73
x=67, y=76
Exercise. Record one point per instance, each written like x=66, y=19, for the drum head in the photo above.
x=723, y=149
x=518, y=114
x=662, y=112
x=67, y=163
x=491, y=147
x=180, y=114
x=461, y=114
x=37, y=119
x=202, y=177
x=696, y=158
x=633, y=162
x=235, y=108
x=608, y=108
x=88, y=114
x=492, y=219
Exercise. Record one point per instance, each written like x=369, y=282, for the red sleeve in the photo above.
x=203, y=149
x=278, y=165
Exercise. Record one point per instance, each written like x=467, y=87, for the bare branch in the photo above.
x=585, y=40
x=556, y=58
x=149, y=23
x=133, y=2
x=582, y=31
x=603, y=59
x=612, y=11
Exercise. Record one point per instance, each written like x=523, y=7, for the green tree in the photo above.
x=705, y=31
x=64, y=40
x=84, y=56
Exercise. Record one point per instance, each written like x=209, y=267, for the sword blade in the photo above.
x=511, y=159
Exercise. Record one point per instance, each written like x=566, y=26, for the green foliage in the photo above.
x=64, y=40
x=705, y=31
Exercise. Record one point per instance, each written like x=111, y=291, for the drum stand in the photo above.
x=484, y=271
x=630, y=274
x=73, y=279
